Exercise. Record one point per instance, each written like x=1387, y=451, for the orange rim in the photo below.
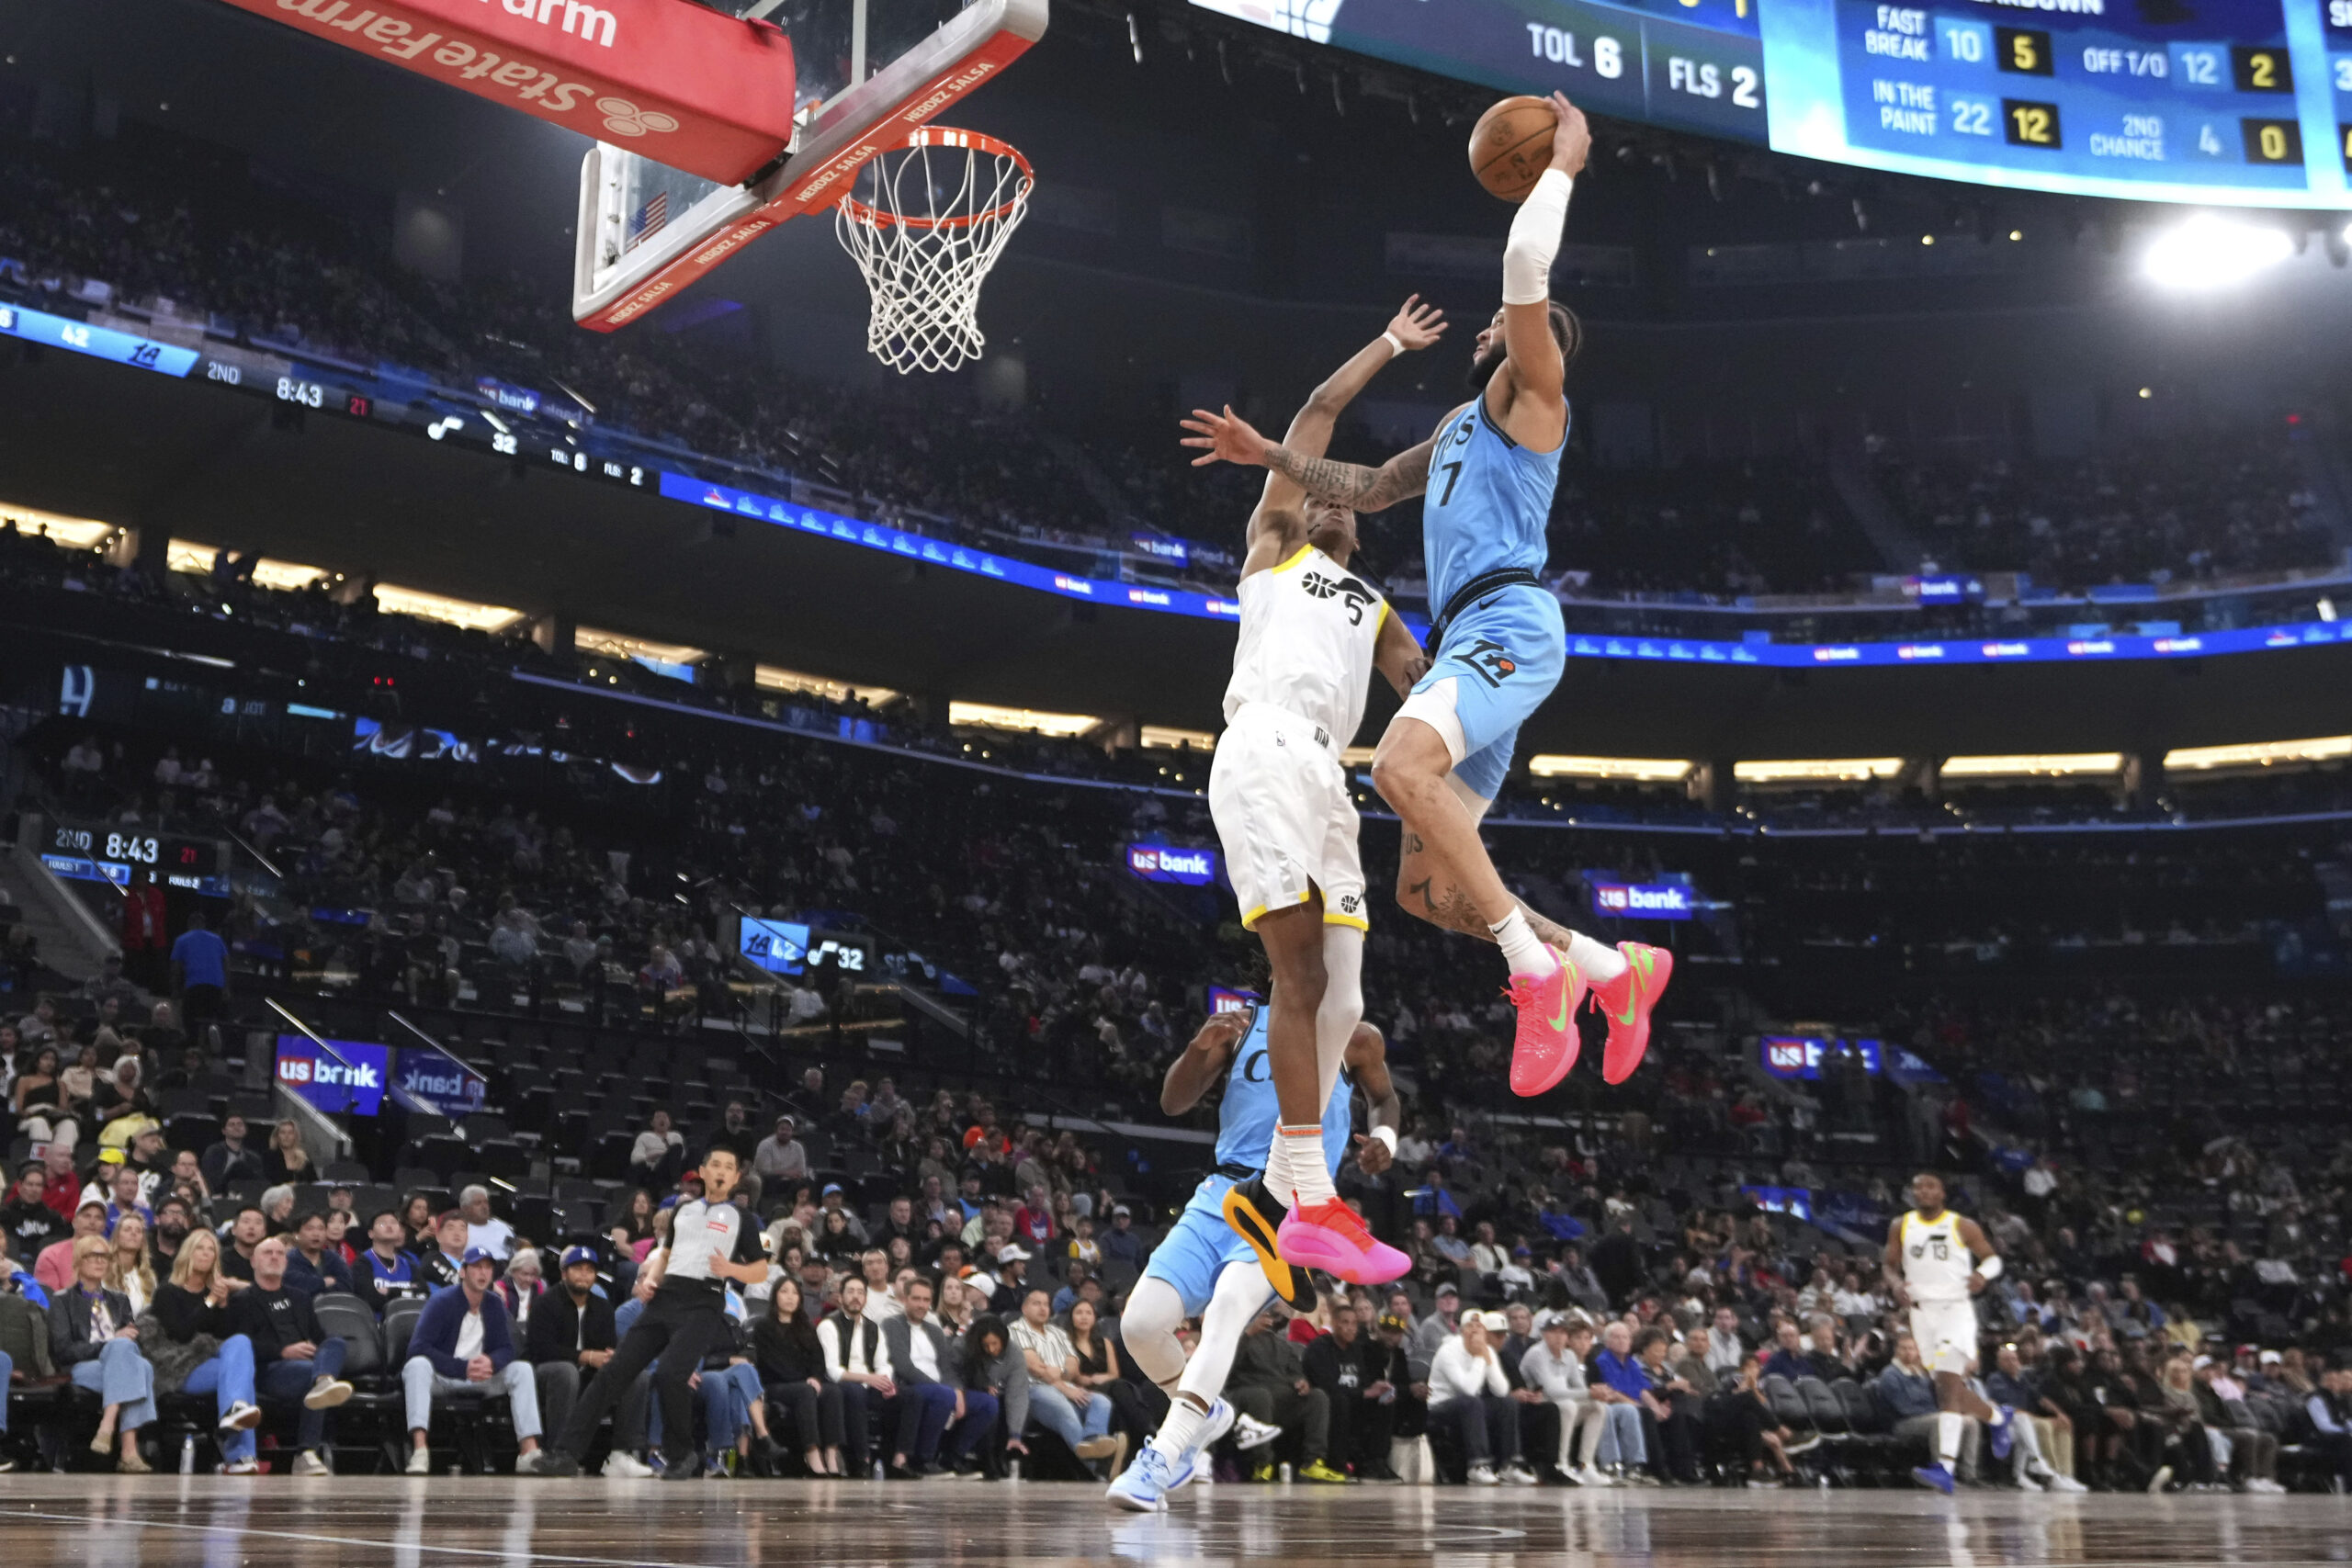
x=945, y=136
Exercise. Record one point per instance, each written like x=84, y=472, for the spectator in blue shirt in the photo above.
x=1615, y=1365
x=1787, y=1359
x=2330, y=1411
x=1119, y=1241
x=463, y=1343
x=199, y=971
x=386, y=1270
x=314, y=1266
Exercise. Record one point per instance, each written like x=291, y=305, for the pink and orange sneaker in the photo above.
x=1626, y=1002
x=1546, y=1046
x=1330, y=1238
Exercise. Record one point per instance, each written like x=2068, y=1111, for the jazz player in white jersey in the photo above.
x=1936, y=1263
x=1312, y=634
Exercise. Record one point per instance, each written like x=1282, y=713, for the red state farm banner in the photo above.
x=685, y=86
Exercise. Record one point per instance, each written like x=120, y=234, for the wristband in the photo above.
x=1387, y=1137
x=1396, y=343
x=1989, y=1267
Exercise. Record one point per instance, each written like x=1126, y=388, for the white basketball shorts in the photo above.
x=1280, y=800
x=1946, y=1334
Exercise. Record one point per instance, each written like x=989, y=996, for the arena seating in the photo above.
x=1069, y=483
x=2148, y=1023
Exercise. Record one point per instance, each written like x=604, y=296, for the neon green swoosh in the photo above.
x=1642, y=968
x=1560, y=1019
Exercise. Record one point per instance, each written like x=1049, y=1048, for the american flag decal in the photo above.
x=647, y=220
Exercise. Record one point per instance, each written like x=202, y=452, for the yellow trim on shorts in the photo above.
x=1301, y=554
x=1331, y=918
x=1249, y=921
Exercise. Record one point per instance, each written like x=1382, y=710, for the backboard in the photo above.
x=867, y=73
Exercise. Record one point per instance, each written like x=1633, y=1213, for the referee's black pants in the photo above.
x=670, y=1336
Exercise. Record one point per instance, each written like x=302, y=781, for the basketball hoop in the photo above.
x=935, y=215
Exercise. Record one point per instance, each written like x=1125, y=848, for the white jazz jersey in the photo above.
x=1935, y=1262
x=1277, y=792
x=1936, y=1266
x=1308, y=627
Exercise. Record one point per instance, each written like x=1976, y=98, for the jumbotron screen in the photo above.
x=2244, y=101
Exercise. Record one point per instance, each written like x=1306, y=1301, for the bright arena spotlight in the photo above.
x=2209, y=250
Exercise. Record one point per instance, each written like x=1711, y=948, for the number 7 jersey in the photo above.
x=1488, y=502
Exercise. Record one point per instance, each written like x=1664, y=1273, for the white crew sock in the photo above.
x=1522, y=950
x=1598, y=963
x=1948, y=1429
x=1178, y=1432
x=1307, y=1169
x=1278, y=1166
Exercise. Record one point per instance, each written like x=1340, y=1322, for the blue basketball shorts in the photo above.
x=1198, y=1247
x=1500, y=659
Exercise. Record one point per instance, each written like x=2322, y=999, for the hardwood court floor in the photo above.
x=208, y=1522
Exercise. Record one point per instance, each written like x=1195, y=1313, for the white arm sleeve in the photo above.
x=1535, y=240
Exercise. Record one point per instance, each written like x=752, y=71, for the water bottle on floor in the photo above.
x=187, y=1454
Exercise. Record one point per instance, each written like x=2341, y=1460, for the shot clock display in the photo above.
x=2242, y=101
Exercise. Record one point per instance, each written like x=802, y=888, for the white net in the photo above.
x=927, y=222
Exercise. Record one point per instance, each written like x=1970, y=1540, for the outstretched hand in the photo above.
x=1571, y=139
x=1418, y=325
x=1226, y=437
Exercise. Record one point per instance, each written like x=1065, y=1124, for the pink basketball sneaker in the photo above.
x=1546, y=1046
x=1330, y=1238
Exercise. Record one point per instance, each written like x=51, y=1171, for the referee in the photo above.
x=709, y=1242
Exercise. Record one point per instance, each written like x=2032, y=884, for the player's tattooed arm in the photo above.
x=1226, y=437
x=1352, y=484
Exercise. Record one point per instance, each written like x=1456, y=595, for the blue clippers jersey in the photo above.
x=1488, y=502
x=1246, y=1118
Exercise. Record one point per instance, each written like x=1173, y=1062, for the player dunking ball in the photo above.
x=1200, y=1268
x=1311, y=635
x=1487, y=477
x=709, y=1242
x=1935, y=1262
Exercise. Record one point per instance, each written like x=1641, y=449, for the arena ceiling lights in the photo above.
x=2209, y=251
x=284, y=576
x=73, y=533
x=2257, y=755
x=2058, y=764
x=776, y=678
x=1828, y=769
x=1632, y=770
x=439, y=607
x=988, y=716
x=1163, y=738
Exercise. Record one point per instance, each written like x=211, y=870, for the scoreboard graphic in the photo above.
x=2218, y=101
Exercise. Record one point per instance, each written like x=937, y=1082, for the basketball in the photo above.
x=1511, y=145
